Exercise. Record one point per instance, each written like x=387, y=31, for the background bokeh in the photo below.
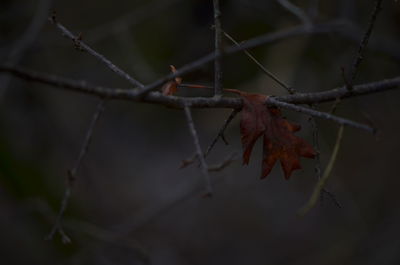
x=131, y=203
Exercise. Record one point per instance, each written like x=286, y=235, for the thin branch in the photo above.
x=193, y=158
x=384, y=45
x=227, y=161
x=322, y=115
x=203, y=164
x=79, y=44
x=316, y=145
x=321, y=183
x=364, y=42
x=197, y=102
x=317, y=167
x=342, y=92
x=221, y=131
x=200, y=102
x=297, y=11
x=218, y=50
x=265, y=70
x=72, y=174
x=188, y=161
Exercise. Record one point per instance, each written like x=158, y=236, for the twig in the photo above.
x=188, y=161
x=193, y=158
x=321, y=183
x=384, y=45
x=322, y=115
x=315, y=134
x=72, y=174
x=218, y=50
x=227, y=161
x=203, y=164
x=364, y=43
x=266, y=71
x=84, y=47
x=297, y=11
x=213, y=168
x=221, y=131
x=317, y=159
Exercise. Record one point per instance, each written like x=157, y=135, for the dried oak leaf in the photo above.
x=171, y=87
x=279, y=141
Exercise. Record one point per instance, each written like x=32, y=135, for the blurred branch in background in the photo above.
x=128, y=20
x=25, y=41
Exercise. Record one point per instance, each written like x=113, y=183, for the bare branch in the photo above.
x=364, y=43
x=72, y=174
x=218, y=50
x=341, y=92
x=203, y=164
x=78, y=43
x=322, y=115
x=227, y=161
x=197, y=102
x=200, y=102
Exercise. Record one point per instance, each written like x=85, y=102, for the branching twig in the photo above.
x=72, y=174
x=193, y=158
x=364, y=43
x=203, y=164
x=265, y=70
x=199, y=102
x=321, y=183
x=221, y=131
x=218, y=50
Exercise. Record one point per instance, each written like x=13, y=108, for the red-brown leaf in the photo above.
x=279, y=142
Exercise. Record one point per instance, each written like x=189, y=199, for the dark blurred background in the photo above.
x=131, y=203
